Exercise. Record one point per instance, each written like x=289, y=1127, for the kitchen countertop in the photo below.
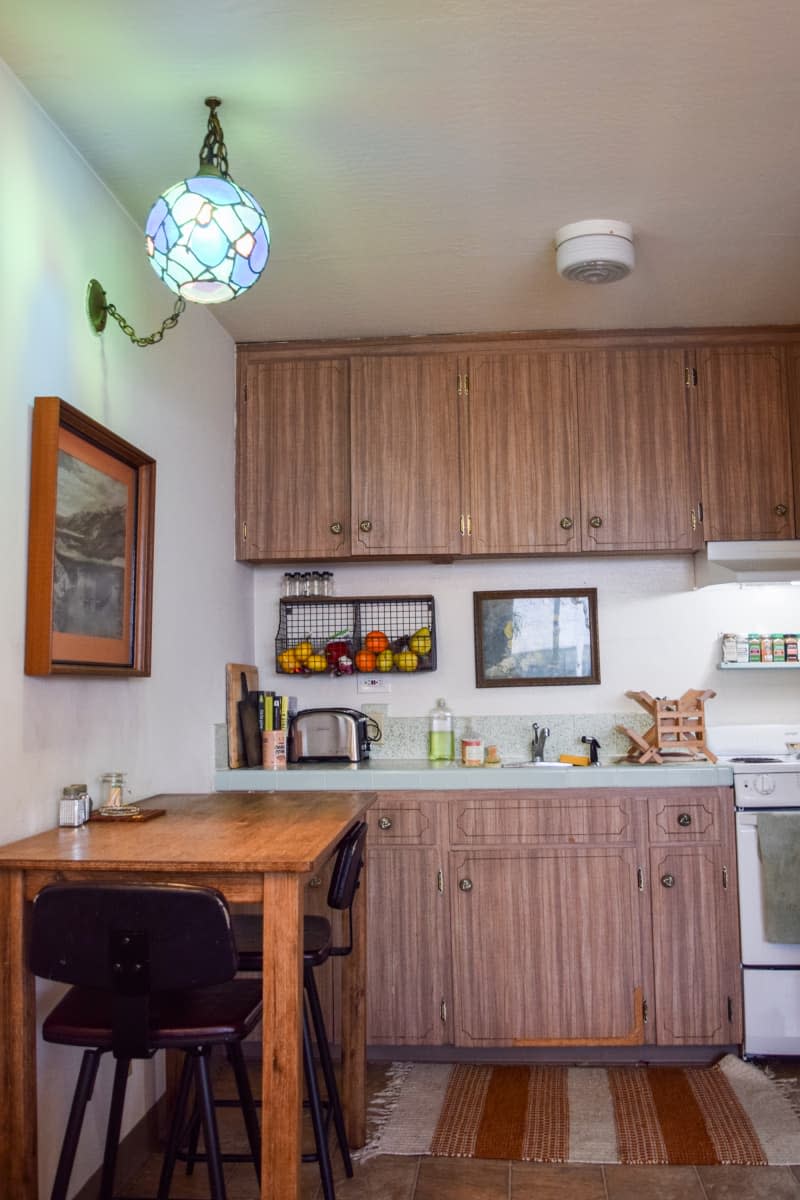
x=388, y=775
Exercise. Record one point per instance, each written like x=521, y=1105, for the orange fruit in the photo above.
x=365, y=660
x=376, y=641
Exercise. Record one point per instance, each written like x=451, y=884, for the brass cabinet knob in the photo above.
x=465, y=885
x=315, y=881
x=566, y=522
x=384, y=823
x=336, y=527
x=365, y=526
x=595, y=522
x=781, y=510
x=668, y=881
x=684, y=819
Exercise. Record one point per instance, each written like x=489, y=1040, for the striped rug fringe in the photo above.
x=730, y=1113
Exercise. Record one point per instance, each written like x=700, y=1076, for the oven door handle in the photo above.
x=747, y=820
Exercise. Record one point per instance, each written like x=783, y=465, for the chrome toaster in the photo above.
x=329, y=735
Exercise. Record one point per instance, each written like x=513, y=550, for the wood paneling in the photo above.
x=637, y=476
x=293, y=460
x=747, y=488
x=407, y=953
x=546, y=945
x=522, y=476
x=405, y=464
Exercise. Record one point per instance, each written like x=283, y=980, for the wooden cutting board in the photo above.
x=233, y=694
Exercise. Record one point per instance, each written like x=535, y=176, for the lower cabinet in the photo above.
x=546, y=947
x=408, y=929
x=572, y=918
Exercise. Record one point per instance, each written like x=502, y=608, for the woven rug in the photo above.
x=728, y=1113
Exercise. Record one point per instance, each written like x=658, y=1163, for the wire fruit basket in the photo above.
x=349, y=635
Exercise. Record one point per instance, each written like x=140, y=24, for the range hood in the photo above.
x=748, y=562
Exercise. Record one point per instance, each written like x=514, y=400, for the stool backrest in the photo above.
x=132, y=938
x=347, y=868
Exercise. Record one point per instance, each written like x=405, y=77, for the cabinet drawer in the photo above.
x=543, y=820
x=402, y=822
x=688, y=818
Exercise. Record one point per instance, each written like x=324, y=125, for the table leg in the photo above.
x=282, y=1076
x=18, y=1162
x=354, y=1023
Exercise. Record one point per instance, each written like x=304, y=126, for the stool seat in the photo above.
x=221, y=1013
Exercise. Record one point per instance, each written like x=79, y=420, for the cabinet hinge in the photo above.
x=690, y=376
x=440, y=881
x=645, y=1011
x=730, y=1009
x=725, y=878
x=443, y=1012
x=640, y=879
x=244, y=531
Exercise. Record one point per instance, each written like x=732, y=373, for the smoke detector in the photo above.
x=595, y=251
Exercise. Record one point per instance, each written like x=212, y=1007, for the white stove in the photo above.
x=766, y=787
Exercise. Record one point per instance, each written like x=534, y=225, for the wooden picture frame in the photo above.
x=536, y=638
x=90, y=548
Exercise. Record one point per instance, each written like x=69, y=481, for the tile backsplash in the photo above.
x=406, y=738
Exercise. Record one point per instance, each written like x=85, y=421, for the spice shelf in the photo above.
x=759, y=666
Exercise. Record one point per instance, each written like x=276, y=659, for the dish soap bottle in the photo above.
x=441, y=739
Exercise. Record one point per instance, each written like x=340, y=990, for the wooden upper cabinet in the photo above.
x=745, y=453
x=405, y=455
x=293, y=460
x=637, y=481
x=521, y=451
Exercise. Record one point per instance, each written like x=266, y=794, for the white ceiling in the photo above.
x=415, y=158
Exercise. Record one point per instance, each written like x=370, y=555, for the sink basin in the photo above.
x=538, y=764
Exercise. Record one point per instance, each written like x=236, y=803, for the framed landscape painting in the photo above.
x=536, y=638
x=90, y=548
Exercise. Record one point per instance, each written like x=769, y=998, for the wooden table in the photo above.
x=253, y=846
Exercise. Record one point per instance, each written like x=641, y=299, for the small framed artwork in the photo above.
x=90, y=548
x=536, y=638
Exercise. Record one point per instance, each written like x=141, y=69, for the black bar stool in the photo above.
x=152, y=968
x=318, y=947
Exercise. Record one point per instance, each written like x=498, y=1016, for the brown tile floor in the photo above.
x=391, y=1178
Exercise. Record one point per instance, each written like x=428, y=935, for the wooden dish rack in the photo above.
x=678, y=729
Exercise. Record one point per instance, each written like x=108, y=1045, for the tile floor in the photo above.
x=392, y=1178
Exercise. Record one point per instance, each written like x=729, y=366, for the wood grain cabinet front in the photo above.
x=575, y=917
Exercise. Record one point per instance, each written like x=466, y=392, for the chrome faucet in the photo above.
x=538, y=740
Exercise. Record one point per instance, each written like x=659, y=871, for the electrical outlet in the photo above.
x=373, y=685
x=376, y=713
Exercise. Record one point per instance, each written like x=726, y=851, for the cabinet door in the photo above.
x=522, y=439
x=744, y=442
x=546, y=947
x=405, y=455
x=637, y=479
x=292, y=460
x=407, y=948
x=695, y=938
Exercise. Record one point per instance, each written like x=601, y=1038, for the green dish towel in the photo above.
x=779, y=851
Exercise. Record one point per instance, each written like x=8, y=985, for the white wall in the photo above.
x=656, y=633
x=58, y=228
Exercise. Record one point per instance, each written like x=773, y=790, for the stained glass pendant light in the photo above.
x=207, y=239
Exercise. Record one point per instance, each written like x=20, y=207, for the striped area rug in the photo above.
x=729, y=1113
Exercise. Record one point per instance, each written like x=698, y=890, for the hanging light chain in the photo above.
x=168, y=323
x=213, y=152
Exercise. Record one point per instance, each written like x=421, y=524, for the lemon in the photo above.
x=316, y=662
x=289, y=662
x=420, y=642
x=303, y=650
x=406, y=660
x=384, y=661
